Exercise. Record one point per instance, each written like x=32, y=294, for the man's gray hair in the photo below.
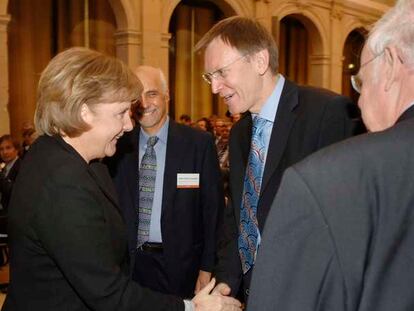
x=395, y=28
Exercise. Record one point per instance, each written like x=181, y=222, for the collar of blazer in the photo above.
x=97, y=170
x=407, y=114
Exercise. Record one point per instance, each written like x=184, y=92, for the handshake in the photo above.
x=212, y=298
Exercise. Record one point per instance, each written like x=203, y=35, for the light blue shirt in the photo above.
x=268, y=112
x=160, y=151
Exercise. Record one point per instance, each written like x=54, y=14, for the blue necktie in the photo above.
x=249, y=229
x=147, y=175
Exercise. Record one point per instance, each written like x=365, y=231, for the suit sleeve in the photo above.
x=212, y=200
x=339, y=121
x=74, y=231
x=297, y=267
x=228, y=268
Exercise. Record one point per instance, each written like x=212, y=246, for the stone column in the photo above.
x=151, y=32
x=319, y=67
x=128, y=47
x=262, y=13
x=164, y=59
x=4, y=76
x=334, y=82
x=183, y=62
x=202, y=97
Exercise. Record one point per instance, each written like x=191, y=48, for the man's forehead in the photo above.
x=150, y=81
x=221, y=45
x=218, y=53
x=6, y=143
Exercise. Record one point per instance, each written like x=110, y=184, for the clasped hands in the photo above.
x=212, y=298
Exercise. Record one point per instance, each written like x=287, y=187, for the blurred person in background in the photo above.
x=185, y=119
x=9, y=167
x=29, y=136
x=205, y=125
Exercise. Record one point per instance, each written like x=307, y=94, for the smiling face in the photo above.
x=241, y=84
x=108, y=122
x=152, y=112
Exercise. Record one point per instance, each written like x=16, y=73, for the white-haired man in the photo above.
x=170, y=194
x=340, y=235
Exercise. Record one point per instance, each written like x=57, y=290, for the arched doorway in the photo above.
x=58, y=25
x=301, y=56
x=351, y=55
x=293, y=50
x=189, y=93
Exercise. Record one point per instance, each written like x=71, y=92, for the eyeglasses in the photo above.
x=356, y=80
x=221, y=72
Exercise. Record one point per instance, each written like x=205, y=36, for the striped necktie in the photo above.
x=249, y=229
x=147, y=175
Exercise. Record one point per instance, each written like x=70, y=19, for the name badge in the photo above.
x=188, y=180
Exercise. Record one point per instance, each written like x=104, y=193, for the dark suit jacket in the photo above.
x=340, y=233
x=6, y=184
x=188, y=216
x=67, y=238
x=307, y=119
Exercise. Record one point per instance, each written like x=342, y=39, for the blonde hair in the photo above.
x=80, y=76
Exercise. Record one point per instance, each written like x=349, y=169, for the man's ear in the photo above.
x=167, y=95
x=393, y=67
x=262, y=61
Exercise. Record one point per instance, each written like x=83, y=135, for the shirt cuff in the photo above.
x=189, y=305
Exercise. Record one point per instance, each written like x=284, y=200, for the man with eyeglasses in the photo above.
x=283, y=124
x=340, y=233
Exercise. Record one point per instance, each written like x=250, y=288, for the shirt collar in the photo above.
x=9, y=165
x=269, y=109
x=162, y=133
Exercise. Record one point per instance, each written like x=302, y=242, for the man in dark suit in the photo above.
x=339, y=235
x=283, y=124
x=177, y=254
x=9, y=155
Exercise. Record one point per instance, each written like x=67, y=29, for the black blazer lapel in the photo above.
x=407, y=114
x=175, y=148
x=281, y=130
x=240, y=138
x=100, y=174
x=131, y=165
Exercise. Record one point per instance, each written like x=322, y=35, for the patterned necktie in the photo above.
x=147, y=175
x=249, y=230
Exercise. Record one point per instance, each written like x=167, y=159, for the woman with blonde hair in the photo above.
x=67, y=238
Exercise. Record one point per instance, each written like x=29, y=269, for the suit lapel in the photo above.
x=97, y=170
x=407, y=114
x=132, y=165
x=100, y=174
x=173, y=159
x=240, y=138
x=281, y=130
